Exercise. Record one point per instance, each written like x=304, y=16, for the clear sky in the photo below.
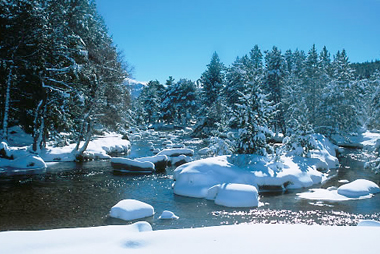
x=162, y=38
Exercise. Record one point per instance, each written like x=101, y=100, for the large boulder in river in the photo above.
x=125, y=165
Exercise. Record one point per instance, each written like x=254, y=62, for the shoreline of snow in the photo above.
x=99, y=148
x=243, y=238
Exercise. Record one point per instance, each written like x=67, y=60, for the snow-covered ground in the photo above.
x=233, y=180
x=244, y=238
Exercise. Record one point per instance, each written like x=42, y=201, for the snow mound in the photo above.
x=132, y=165
x=160, y=161
x=369, y=223
x=131, y=209
x=177, y=152
x=237, y=195
x=195, y=179
x=358, y=188
x=168, y=215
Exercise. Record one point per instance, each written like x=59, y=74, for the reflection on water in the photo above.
x=81, y=195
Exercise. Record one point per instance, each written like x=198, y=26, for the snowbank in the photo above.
x=99, y=148
x=19, y=161
x=130, y=209
x=246, y=238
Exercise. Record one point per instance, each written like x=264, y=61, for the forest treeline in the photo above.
x=60, y=73
x=264, y=94
x=59, y=70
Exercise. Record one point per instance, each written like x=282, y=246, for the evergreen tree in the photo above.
x=254, y=113
x=274, y=78
x=180, y=105
x=212, y=81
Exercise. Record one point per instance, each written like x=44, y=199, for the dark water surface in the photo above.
x=81, y=195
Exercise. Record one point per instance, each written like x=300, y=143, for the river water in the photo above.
x=81, y=195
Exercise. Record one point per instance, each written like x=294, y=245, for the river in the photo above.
x=81, y=195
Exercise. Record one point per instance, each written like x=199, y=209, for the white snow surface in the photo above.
x=145, y=165
x=237, y=195
x=358, y=189
x=22, y=159
x=168, y=215
x=194, y=179
x=97, y=148
x=244, y=238
x=204, y=178
x=131, y=209
x=173, y=152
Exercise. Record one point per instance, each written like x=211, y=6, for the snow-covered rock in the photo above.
x=194, y=179
x=132, y=165
x=358, y=188
x=177, y=152
x=168, y=215
x=160, y=161
x=204, y=151
x=179, y=160
x=131, y=209
x=237, y=195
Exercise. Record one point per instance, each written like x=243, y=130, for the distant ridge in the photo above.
x=135, y=87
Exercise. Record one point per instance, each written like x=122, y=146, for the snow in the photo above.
x=18, y=161
x=369, y=223
x=358, y=189
x=99, y=148
x=177, y=152
x=168, y=215
x=160, y=161
x=244, y=238
x=133, y=164
x=237, y=195
x=131, y=209
x=194, y=179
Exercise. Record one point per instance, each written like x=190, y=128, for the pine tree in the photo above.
x=211, y=112
x=274, y=78
x=254, y=113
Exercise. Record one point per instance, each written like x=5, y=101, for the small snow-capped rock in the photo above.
x=168, y=215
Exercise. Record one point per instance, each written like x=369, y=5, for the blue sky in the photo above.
x=162, y=38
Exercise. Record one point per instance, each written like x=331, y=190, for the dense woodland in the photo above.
x=59, y=70
x=61, y=73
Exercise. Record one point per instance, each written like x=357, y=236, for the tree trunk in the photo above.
x=7, y=105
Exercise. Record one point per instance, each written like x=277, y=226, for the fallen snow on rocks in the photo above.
x=19, y=161
x=237, y=195
x=168, y=215
x=131, y=209
x=228, y=179
x=358, y=189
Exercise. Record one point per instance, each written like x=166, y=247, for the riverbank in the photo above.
x=245, y=238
